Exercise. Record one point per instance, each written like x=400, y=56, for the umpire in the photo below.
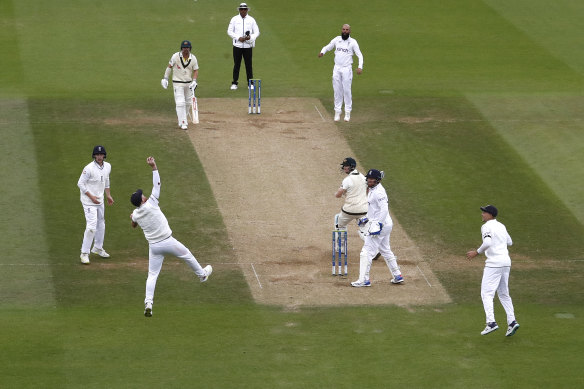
x=244, y=31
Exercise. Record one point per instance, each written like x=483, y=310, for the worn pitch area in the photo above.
x=274, y=177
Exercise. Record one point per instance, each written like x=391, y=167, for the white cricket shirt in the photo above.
x=378, y=210
x=149, y=216
x=182, y=71
x=344, y=51
x=94, y=179
x=495, y=242
x=355, y=186
x=238, y=27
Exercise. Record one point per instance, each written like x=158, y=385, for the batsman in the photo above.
x=354, y=188
x=185, y=71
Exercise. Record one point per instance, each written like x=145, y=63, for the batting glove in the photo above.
x=193, y=85
x=164, y=83
x=362, y=221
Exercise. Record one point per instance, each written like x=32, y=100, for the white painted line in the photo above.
x=322, y=117
x=422, y=273
x=256, y=274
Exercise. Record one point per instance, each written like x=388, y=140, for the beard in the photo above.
x=345, y=36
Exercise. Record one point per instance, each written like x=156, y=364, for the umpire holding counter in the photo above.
x=243, y=31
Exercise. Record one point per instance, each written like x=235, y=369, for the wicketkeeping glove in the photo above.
x=164, y=83
x=375, y=228
x=362, y=221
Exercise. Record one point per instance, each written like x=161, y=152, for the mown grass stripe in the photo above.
x=23, y=240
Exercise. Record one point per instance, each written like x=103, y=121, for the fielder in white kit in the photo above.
x=354, y=188
x=93, y=183
x=497, y=269
x=150, y=218
x=378, y=226
x=345, y=47
x=185, y=71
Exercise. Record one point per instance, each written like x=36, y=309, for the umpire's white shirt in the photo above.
x=495, y=242
x=344, y=51
x=378, y=210
x=237, y=28
x=94, y=179
x=182, y=71
x=355, y=186
x=149, y=216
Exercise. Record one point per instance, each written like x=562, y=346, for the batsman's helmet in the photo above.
x=349, y=162
x=490, y=209
x=375, y=174
x=99, y=150
x=186, y=44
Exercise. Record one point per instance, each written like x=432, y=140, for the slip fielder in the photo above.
x=93, y=183
x=497, y=269
x=150, y=218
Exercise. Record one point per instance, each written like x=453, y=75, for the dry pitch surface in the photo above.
x=274, y=177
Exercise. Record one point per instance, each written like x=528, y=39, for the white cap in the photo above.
x=243, y=6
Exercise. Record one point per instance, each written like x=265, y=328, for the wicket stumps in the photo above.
x=254, y=90
x=339, y=249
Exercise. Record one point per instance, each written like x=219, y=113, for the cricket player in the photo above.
x=378, y=225
x=497, y=269
x=243, y=31
x=93, y=183
x=345, y=47
x=354, y=188
x=150, y=218
x=185, y=71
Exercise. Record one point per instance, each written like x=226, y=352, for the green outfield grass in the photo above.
x=462, y=103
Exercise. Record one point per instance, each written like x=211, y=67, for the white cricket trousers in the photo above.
x=169, y=246
x=182, y=97
x=342, y=220
x=94, y=227
x=377, y=244
x=342, y=79
x=496, y=280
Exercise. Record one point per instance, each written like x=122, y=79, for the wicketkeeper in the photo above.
x=185, y=71
x=378, y=225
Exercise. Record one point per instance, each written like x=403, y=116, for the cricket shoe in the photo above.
x=100, y=252
x=183, y=126
x=208, y=270
x=361, y=284
x=337, y=116
x=251, y=87
x=490, y=328
x=347, y=116
x=233, y=86
x=84, y=258
x=148, y=310
x=512, y=329
x=397, y=279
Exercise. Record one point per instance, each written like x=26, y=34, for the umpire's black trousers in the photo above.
x=246, y=53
